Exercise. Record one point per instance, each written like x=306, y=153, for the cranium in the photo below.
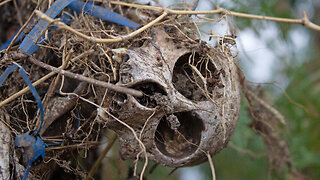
x=191, y=102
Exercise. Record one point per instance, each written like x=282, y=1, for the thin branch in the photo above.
x=138, y=6
x=98, y=40
x=142, y=146
x=303, y=21
x=307, y=23
x=285, y=94
x=271, y=109
x=26, y=89
x=19, y=17
x=36, y=83
x=22, y=28
x=80, y=77
x=213, y=173
x=4, y=2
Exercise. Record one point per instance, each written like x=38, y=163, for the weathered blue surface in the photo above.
x=102, y=13
x=28, y=44
x=6, y=73
x=33, y=148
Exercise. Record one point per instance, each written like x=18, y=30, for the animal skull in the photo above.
x=191, y=102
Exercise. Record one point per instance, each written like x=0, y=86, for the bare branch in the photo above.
x=80, y=77
x=303, y=21
x=98, y=40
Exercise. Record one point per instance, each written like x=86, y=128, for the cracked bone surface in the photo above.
x=190, y=105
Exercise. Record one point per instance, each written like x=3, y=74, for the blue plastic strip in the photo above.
x=53, y=144
x=6, y=73
x=26, y=173
x=25, y=140
x=195, y=6
x=102, y=13
x=35, y=95
x=33, y=140
x=38, y=149
x=28, y=44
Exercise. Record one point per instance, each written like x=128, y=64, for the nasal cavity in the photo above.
x=152, y=93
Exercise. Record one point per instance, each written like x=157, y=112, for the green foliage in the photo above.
x=303, y=134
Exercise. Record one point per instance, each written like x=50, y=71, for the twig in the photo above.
x=114, y=71
x=44, y=78
x=26, y=89
x=54, y=84
x=285, y=94
x=138, y=6
x=79, y=77
x=4, y=2
x=99, y=40
x=142, y=146
x=266, y=105
x=18, y=12
x=303, y=21
x=211, y=166
x=246, y=151
x=140, y=135
x=102, y=155
x=86, y=145
x=22, y=28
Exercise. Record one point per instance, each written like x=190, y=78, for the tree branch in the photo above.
x=303, y=21
x=79, y=77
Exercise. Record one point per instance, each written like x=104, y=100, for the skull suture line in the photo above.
x=191, y=102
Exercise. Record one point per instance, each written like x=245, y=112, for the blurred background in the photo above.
x=276, y=55
x=273, y=56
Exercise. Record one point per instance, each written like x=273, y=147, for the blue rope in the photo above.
x=28, y=44
x=102, y=13
x=33, y=138
x=30, y=138
x=6, y=73
x=35, y=95
x=33, y=90
x=53, y=144
x=195, y=6
x=27, y=171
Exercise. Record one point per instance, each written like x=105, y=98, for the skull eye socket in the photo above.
x=195, y=76
x=152, y=92
x=181, y=140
